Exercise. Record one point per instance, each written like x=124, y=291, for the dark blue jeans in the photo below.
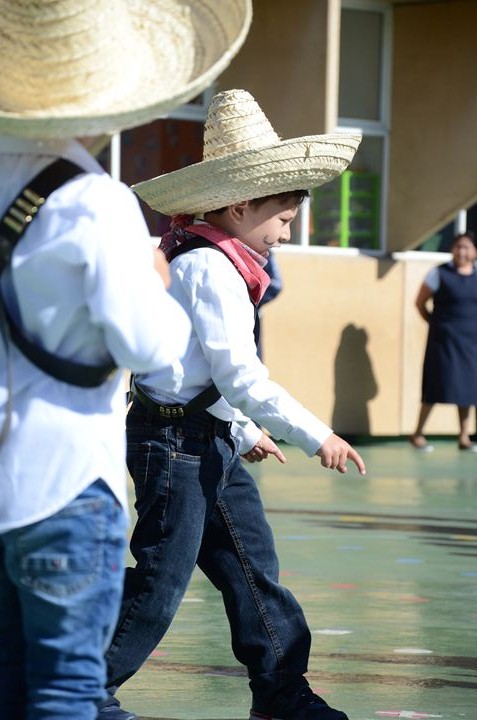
x=60, y=590
x=196, y=503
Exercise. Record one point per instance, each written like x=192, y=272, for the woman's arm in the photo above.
x=424, y=294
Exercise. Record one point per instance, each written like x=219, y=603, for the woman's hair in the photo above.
x=283, y=197
x=469, y=234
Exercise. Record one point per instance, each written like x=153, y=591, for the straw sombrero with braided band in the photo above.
x=85, y=67
x=245, y=159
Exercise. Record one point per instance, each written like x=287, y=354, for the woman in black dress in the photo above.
x=450, y=363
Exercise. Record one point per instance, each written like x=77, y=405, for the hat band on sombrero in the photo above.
x=245, y=159
x=76, y=67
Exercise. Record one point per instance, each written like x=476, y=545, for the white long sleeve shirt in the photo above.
x=222, y=349
x=82, y=285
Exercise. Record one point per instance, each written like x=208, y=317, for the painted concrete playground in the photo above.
x=385, y=567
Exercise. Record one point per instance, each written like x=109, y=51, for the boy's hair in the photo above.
x=283, y=197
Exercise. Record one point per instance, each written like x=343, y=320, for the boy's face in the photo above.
x=264, y=226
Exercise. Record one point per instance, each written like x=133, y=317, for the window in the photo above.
x=350, y=212
x=441, y=240
x=157, y=147
x=195, y=109
x=360, y=64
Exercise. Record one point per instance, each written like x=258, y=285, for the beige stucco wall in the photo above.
x=345, y=339
x=289, y=62
x=433, y=161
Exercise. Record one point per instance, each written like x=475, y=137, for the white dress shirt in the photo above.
x=222, y=349
x=82, y=285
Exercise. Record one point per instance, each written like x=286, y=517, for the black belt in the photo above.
x=174, y=412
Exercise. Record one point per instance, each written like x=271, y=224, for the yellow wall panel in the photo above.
x=345, y=339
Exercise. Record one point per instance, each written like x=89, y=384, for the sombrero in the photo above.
x=245, y=159
x=84, y=67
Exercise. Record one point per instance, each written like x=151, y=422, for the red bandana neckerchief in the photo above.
x=182, y=227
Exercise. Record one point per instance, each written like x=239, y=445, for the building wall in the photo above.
x=156, y=148
x=344, y=336
x=433, y=166
x=289, y=63
x=345, y=339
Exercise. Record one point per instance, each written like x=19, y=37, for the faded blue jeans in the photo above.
x=60, y=591
x=196, y=503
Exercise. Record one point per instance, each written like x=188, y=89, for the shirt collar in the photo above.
x=262, y=261
x=69, y=149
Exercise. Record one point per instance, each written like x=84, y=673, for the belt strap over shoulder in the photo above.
x=28, y=202
x=73, y=373
x=13, y=224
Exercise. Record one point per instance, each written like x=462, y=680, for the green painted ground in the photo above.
x=386, y=569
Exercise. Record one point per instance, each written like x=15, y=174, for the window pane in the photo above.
x=345, y=212
x=360, y=64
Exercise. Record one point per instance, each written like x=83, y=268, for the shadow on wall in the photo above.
x=355, y=383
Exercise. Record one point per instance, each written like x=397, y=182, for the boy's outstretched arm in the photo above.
x=264, y=447
x=335, y=452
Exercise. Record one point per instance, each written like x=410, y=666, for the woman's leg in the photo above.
x=465, y=442
x=417, y=438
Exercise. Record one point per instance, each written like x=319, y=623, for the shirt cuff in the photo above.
x=246, y=436
x=311, y=440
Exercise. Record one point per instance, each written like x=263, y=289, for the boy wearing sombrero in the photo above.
x=196, y=502
x=79, y=297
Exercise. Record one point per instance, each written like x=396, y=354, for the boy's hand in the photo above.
x=335, y=452
x=263, y=449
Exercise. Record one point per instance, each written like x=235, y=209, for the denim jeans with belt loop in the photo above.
x=196, y=503
x=60, y=592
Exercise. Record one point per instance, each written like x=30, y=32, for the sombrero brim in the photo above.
x=214, y=30
x=295, y=164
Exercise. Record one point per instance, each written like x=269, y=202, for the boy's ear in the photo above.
x=237, y=210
